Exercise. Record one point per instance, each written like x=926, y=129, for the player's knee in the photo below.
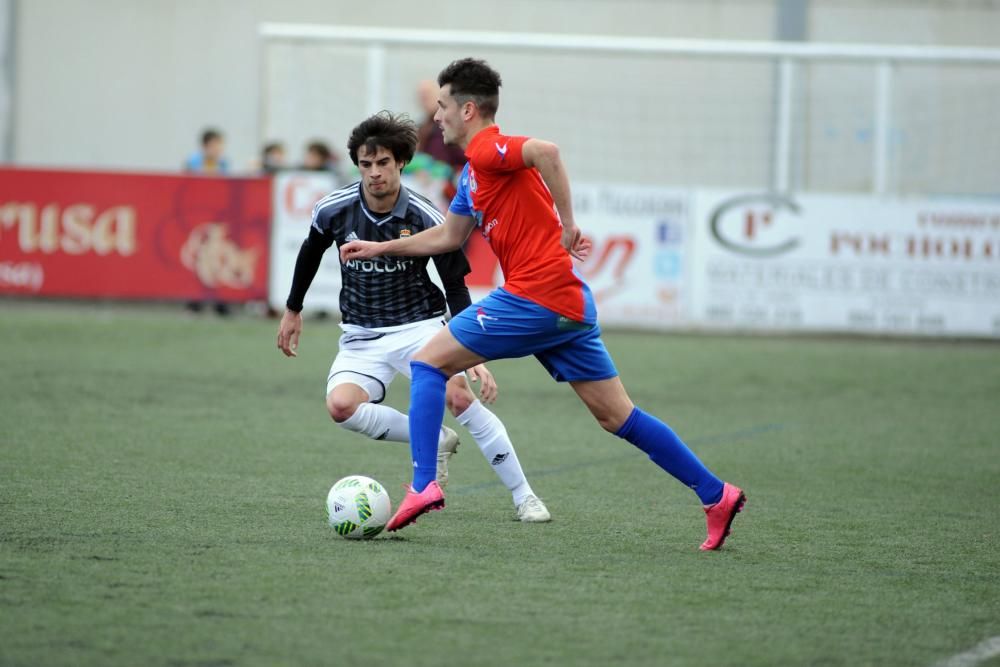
x=459, y=401
x=341, y=408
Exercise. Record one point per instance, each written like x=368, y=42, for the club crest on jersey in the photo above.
x=405, y=233
x=473, y=186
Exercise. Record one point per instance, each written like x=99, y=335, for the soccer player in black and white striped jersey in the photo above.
x=391, y=308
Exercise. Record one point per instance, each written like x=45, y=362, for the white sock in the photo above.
x=380, y=422
x=491, y=437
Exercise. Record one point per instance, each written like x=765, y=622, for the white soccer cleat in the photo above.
x=445, y=451
x=533, y=510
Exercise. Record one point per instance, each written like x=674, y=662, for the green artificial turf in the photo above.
x=163, y=478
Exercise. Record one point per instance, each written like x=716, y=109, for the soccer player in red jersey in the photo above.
x=516, y=192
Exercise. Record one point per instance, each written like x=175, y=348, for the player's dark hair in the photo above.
x=473, y=80
x=394, y=132
x=210, y=135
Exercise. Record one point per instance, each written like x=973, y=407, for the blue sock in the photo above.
x=426, y=415
x=669, y=452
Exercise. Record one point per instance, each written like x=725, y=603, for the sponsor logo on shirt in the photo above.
x=488, y=227
x=404, y=233
x=379, y=265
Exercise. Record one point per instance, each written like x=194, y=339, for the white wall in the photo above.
x=129, y=83
x=6, y=78
x=937, y=22
x=122, y=83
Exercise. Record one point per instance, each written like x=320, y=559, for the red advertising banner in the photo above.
x=118, y=235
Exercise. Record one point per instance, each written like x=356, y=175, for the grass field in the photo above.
x=163, y=480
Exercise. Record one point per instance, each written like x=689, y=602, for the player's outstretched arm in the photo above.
x=544, y=156
x=434, y=241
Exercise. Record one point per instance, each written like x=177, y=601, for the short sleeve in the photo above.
x=499, y=153
x=461, y=203
x=320, y=221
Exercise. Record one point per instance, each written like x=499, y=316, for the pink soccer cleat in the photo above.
x=415, y=504
x=720, y=516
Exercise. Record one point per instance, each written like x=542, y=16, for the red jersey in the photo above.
x=516, y=215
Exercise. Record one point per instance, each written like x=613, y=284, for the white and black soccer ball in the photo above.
x=359, y=507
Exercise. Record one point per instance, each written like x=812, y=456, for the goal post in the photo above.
x=782, y=116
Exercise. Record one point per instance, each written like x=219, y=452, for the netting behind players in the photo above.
x=673, y=120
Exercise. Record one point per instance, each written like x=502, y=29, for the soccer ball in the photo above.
x=359, y=507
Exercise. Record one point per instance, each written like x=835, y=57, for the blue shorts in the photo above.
x=505, y=326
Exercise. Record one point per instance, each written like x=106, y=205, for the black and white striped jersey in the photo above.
x=381, y=291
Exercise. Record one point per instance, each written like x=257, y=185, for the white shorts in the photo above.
x=371, y=359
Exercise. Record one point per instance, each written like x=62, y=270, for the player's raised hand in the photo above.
x=288, y=333
x=359, y=250
x=488, y=386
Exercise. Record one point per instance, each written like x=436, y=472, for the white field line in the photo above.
x=982, y=651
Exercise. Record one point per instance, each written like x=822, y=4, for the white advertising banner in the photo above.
x=638, y=269
x=846, y=263
x=667, y=258
x=295, y=193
